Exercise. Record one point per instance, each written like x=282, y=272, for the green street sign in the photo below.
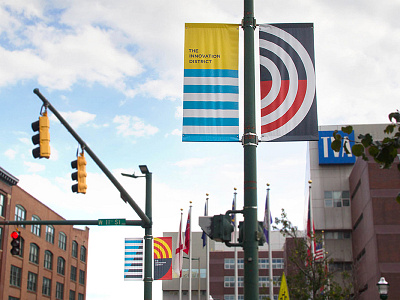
x=110, y=222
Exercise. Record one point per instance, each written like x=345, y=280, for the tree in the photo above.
x=308, y=278
x=383, y=152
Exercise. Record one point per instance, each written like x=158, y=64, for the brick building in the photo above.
x=53, y=260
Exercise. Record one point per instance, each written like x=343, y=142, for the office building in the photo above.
x=353, y=204
x=52, y=263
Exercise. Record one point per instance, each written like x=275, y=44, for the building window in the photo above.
x=46, y=287
x=50, y=234
x=34, y=253
x=81, y=277
x=229, y=263
x=15, y=276
x=62, y=241
x=2, y=210
x=80, y=297
x=1, y=237
x=59, y=291
x=21, y=246
x=35, y=228
x=264, y=281
x=20, y=214
x=83, y=254
x=337, y=235
x=340, y=266
x=71, y=295
x=74, y=249
x=61, y=265
x=73, y=273
x=12, y=298
x=48, y=260
x=32, y=281
x=229, y=281
x=337, y=198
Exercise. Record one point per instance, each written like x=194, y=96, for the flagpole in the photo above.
x=236, y=251
x=190, y=251
x=180, y=257
x=311, y=222
x=271, y=281
x=207, y=259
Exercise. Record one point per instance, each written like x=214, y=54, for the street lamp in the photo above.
x=148, y=233
x=383, y=288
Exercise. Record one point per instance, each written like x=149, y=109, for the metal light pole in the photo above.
x=148, y=234
x=250, y=141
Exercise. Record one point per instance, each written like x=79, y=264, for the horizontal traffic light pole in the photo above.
x=124, y=194
x=99, y=222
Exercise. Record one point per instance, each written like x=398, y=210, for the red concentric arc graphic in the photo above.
x=284, y=103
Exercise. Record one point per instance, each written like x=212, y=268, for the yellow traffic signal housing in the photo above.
x=42, y=138
x=80, y=175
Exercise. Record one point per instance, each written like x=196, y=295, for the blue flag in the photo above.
x=203, y=236
x=265, y=223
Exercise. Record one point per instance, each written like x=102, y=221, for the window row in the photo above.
x=337, y=198
x=263, y=263
x=263, y=281
x=34, y=252
x=20, y=215
x=32, y=284
x=241, y=297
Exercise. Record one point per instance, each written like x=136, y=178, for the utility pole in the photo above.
x=250, y=141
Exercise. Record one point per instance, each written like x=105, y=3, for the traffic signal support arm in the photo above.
x=124, y=194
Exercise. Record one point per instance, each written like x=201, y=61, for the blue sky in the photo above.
x=115, y=72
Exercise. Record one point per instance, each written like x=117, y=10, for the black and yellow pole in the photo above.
x=250, y=141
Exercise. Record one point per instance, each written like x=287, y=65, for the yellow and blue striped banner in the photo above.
x=211, y=83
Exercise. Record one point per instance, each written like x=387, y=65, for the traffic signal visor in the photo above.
x=42, y=126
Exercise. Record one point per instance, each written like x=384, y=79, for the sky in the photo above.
x=114, y=70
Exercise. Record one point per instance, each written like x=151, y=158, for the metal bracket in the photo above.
x=250, y=139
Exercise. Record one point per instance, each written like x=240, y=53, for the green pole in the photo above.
x=250, y=141
x=148, y=239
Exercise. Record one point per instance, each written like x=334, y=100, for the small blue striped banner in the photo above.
x=133, y=267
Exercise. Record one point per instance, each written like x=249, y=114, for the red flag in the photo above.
x=178, y=252
x=186, y=249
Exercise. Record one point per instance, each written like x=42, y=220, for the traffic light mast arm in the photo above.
x=124, y=194
x=229, y=244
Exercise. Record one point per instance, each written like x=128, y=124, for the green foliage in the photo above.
x=309, y=279
x=383, y=152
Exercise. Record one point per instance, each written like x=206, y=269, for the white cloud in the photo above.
x=10, y=153
x=133, y=126
x=77, y=118
x=192, y=162
x=34, y=167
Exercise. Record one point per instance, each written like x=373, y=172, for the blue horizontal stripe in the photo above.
x=229, y=89
x=134, y=265
x=134, y=241
x=210, y=138
x=210, y=105
x=132, y=258
x=211, y=73
x=210, y=121
x=133, y=247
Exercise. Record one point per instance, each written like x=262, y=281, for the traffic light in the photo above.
x=42, y=139
x=15, y=243
x=80, y=174
x=218, y=227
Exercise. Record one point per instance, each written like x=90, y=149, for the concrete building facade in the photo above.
x=338, y=202
x=53, y=259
